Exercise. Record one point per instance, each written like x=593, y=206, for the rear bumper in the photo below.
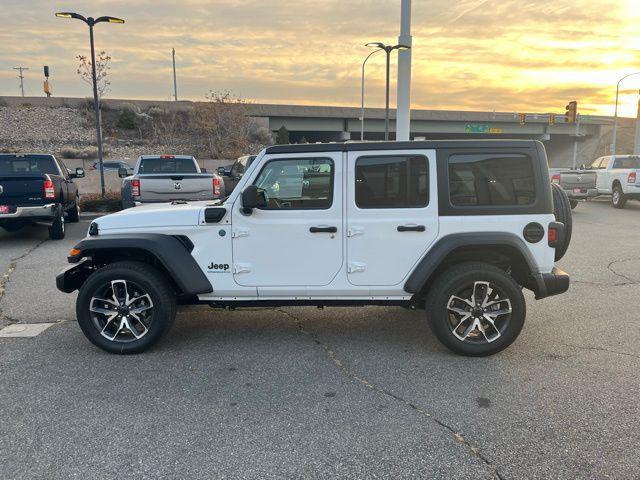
x=549, y=284
x=586, y=193
x=38, y=212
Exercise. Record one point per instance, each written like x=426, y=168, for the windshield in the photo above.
x=167, y=165
x=28, y=164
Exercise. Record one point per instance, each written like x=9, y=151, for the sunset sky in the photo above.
x=507, y=55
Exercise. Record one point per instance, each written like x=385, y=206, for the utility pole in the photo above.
x=21, y=77
x=403, y=109
x=175, y=82
x=575, y=142
x=636, y=143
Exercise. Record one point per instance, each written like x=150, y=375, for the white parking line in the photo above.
x=24, y=330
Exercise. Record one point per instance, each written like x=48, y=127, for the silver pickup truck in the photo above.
x=167, y=178
x=577, y=184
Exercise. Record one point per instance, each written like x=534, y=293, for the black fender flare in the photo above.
x=173, y=253
x=443, y=247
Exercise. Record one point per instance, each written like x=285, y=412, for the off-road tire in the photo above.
x=618, y=198
x=562, y=212
x=457, y=277
x=73, y=215
x=57, y=230
x=151, y=281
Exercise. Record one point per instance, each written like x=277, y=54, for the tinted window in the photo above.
x=628, y=162
x=399, y=181
x=28, y=164
x=297, y=183
x=167, y=165
x=486, y=180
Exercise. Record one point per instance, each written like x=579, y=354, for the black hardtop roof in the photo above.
x=411, y=145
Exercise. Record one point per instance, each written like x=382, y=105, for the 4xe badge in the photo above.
x=218, y=267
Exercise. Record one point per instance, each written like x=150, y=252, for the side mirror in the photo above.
x=253, y=197
x=122, y=172
x=203, y=170
x=79, y=173
x=222, y=171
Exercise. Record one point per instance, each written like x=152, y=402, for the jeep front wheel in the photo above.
x=125, y=307
x=476, y=309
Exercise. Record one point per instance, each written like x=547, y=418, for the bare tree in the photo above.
x=102, y=70
x=223, y=123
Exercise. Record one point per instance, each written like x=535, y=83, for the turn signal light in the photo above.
x=74, y=252
x=135, y=188
x=632, y=177
x=216, y=187
x=49, y=189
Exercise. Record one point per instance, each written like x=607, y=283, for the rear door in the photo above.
x=392, y=214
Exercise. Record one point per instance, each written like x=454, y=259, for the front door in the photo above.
x=392, y=214
x=296, y=239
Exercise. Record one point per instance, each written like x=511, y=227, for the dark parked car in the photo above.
x=233, y=174
x=37, y=189
x=114, y=166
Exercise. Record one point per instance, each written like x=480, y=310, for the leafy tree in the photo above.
x=282, y=137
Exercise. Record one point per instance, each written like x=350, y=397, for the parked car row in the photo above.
x=617, y=176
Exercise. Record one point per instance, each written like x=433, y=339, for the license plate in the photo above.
x=577, y=190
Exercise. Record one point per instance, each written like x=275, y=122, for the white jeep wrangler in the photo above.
x=454, y=227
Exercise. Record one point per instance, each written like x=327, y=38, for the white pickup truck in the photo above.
x=618, y=176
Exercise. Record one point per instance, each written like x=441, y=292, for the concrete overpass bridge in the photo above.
x=321, y=124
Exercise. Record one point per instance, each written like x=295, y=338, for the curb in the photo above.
x=91, y=215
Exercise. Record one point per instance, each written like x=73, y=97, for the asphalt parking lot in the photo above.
x=308, y=393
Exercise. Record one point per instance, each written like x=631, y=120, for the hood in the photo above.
x=153, y=216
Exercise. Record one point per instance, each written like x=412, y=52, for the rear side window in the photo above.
x=488, y=180
x=167, y=165
x=628, y=162
x=398, y=181
x=297, y=184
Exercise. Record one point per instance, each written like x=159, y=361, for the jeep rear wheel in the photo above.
x=125, y=307
x=476, y=309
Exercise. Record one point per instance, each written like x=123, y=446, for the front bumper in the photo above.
x=549, y=284
x=38, y=212
x=72, y=277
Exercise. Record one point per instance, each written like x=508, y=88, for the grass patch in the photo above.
x=95, y=202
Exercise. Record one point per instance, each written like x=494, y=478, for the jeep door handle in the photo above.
x=323, y=229
x=411, y=228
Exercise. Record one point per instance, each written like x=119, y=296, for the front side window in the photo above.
x=395, y=181
x=297, y=184
x=488, y=180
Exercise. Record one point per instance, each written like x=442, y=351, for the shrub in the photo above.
x=88, y=153
x=127, y=120
x=95, y=202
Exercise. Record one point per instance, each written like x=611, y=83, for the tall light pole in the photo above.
x=90, y=21
x=362, y=94
x=21, y=77
x=175, y=82
x=388, y=49
x=615, y=115
x=403, y=115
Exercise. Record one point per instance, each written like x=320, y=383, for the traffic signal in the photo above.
x=571, y=112
x=46, y=71
x=523, y=118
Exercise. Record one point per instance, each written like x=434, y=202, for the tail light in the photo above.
x=135, y=188
x=555, y=233
x=49, y=190
x=555, y=178
x=631, y=178
x=216, y=187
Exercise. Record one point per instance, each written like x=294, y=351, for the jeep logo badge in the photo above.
x=177, y=185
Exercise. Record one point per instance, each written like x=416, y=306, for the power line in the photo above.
x=21, y=77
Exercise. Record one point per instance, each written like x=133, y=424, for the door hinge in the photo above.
x=240, y=232
x=241, y=267
x=354, y=267
x=355, y=231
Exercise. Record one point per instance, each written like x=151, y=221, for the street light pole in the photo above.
x=90, y=21
x=615, y=115
x=362, y=94
x=388, y=49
